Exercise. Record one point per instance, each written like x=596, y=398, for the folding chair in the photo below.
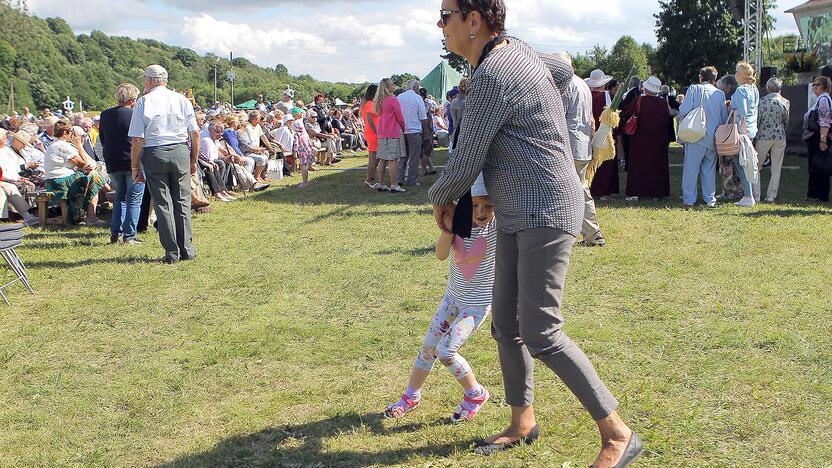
x=11, y=235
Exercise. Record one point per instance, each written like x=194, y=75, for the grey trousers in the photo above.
x=527, y=323
x=168, y=173
x=590, y=228
x=409, y=163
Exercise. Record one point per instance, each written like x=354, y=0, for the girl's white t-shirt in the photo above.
x=471, y=276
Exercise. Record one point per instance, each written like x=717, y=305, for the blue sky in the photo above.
x=355, y=40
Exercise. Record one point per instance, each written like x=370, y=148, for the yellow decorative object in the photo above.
x=603, y=145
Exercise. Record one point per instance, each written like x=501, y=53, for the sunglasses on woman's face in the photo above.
x=445, y=15
x=816, y=85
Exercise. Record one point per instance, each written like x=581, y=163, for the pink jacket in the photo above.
x=391, y=123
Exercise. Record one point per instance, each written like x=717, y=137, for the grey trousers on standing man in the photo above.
x=528, y=289
x=168, y=173
x=590, y=228
x=409, y=163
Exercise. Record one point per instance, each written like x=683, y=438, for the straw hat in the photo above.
x=23, y=137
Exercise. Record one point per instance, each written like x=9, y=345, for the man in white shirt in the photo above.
x=577, y=103
x=255, y=145
x=162, y=124
x=416, y=122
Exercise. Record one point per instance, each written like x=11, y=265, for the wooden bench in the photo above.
x=42, y=198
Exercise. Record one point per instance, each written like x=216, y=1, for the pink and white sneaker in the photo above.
x=401, y=407
x=468, y=409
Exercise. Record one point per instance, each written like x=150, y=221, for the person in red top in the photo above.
x=370, y=133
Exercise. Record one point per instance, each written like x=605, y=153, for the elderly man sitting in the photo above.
x=10, y=166
x=255, y=145
x=216, y=170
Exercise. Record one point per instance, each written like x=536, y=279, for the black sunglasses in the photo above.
x=815, y=85
x=445, y=15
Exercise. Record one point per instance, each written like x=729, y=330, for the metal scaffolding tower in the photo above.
x=753, y=43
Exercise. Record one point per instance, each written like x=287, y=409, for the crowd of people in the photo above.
x=650, y=115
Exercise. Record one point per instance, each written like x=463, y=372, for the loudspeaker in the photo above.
x=766, y=73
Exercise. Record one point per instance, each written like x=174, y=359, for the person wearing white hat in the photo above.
x=162, y=124
x=9, y=191
x=648, y=173
x=605, y=181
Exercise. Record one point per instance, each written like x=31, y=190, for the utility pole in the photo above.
x=215, y=84
x=231, y=77
x=10, y=107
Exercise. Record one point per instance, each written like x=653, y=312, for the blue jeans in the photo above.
x=747, y=187
x=127, y=205
x=700, y=163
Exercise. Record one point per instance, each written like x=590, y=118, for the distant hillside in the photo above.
x=47, y=62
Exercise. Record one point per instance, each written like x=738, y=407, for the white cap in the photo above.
x=478, y=189
x=288, y=118
x=155, y=71
x=50, y=121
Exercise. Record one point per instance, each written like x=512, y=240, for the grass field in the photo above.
x=300, y=319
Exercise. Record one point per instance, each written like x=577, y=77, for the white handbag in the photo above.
x=274, y=169
x=694, y=126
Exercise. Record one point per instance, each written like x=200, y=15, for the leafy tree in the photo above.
x=281, y=69
x=401, y=80
x=187, y=57
x=695, y=34
x=625, y=54
x=45, y=95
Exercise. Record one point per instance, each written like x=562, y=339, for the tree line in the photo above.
x=46, y=61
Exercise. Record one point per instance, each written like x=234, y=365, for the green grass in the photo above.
x=300, y=319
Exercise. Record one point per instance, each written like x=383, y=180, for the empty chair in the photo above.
x=11, y=235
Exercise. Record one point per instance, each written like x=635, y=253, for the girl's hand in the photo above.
x=77, y=140
x=440, y=213
x=824, y=146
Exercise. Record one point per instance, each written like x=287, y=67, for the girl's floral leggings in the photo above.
x=450, y=328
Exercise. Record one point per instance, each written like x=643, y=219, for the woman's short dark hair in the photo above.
x=708, y=74
x=423, y=92
x=62, y=127
x=371, y=92
x=612, y=84
x=493, y=12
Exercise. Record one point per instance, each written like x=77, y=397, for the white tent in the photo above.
x=340, y=103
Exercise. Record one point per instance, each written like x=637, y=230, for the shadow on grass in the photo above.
x=417, y=252
x=304, y=445
x=91, y=261
x=784, y=213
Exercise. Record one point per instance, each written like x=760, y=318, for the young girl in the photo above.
x=302, y=148
x=466, y=303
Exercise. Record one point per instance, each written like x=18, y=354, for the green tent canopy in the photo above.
x=248, y=105
x=440, y=80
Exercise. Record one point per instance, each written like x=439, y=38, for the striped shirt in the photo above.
x=513, y=130
x=471, y=276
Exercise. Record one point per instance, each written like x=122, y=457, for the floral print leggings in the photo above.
x=450, y=328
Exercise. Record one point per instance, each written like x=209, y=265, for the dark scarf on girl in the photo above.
x=464, y=212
